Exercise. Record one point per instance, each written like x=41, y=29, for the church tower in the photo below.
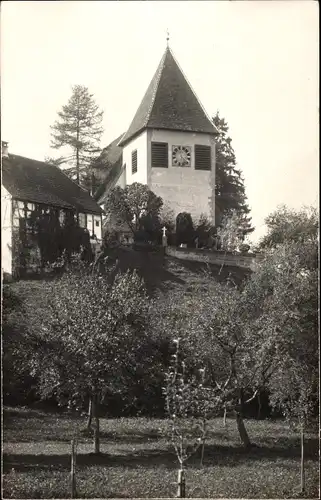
x=170, y=144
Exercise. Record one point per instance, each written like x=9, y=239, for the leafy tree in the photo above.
x=289, y=272
x=204, y=231
x=17, y=383
x=285, y=289
x=189, y=404
x=54, y=237
x=208, y=321
x=46, y=233
x=248, y=337
x=235, y=353
x=293, y=390
x=285, y=224
x=252, y=332
x=185, y=229
x=230, y=189
x=92, y=328
x=136, y=208
x=230, y=232
x=167, y=218
x=290, y=276
x=79, y=128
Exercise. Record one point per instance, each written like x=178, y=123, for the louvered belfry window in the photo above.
x=134, y=161
x=202, y=157
x=160, y=154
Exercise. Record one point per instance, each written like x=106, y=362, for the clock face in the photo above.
x=181, y=156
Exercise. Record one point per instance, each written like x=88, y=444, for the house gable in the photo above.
x=40, y=182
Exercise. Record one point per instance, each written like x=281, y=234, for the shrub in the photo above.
x=184, y=229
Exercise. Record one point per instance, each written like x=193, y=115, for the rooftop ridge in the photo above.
x=159, y=74
x=120, y=140
x=192, y=89
x=169, y=103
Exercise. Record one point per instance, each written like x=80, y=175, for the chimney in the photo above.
x=4, y=149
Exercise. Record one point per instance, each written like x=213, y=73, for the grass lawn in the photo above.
x=137, y=459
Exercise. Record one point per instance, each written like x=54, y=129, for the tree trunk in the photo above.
x=240, y=423
x=77, y=165
x=221, y=268
x=302, y=459
x=260, y=405
x=90, y=413
x=95, y=413
x=77, y=153
x=203, y=442
x=242, y=431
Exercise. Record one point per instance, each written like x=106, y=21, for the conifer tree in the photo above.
x=57, y=162
x=230, y=189
x=79, y=128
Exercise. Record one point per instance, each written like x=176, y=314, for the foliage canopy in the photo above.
x=135, y=208
x=229, y=189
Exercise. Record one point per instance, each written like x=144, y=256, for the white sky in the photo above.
x=256, y=61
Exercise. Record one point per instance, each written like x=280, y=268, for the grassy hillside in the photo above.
x=160, y=272
x=164, y=272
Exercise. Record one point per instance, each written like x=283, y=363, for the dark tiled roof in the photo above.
x=110, y=182
x=39, y=182
x=109, y=156
x=169, y=103
x=112, y=152
x=110, y=166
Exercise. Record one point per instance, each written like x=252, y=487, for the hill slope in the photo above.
x=162, y=272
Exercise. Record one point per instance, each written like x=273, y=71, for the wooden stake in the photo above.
x=96, y=437
x=181, y=484
x=203, y=442
x=73, y=469
x=224, y=417
x=96, y=428
x=302, y=459
x=202, y=452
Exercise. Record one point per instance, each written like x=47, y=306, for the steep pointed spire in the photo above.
x=169, y=103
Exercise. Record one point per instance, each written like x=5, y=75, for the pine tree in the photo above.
x=229, y=189
x=57, y=162
x=79, y=128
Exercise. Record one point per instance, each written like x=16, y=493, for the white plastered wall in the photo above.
x=184, y=189
x=94, y=224
x=6, y=231
x=140, y=144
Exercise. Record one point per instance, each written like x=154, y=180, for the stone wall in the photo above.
x=215, y=257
